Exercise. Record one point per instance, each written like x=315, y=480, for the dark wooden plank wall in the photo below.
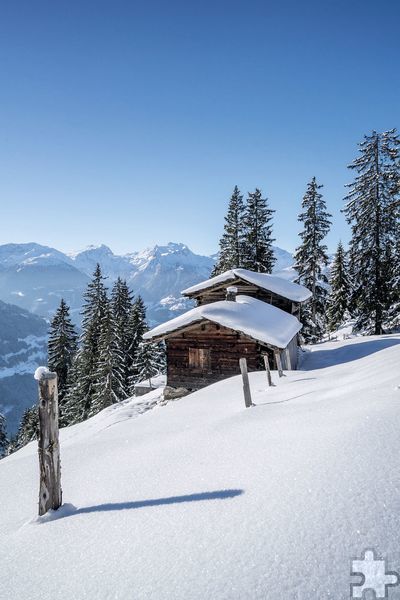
x=226, y=347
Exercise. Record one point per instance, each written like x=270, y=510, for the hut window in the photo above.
x=200, y=358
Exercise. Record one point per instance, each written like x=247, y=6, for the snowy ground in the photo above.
x=203, y=499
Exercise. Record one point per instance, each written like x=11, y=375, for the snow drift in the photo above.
x=202, y=498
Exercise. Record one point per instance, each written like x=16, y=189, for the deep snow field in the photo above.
x=204, y=499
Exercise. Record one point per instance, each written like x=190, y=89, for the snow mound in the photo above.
x=202, y=498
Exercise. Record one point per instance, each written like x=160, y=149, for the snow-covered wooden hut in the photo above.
x=204, y=345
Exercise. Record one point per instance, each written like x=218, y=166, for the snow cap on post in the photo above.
x=42, y=373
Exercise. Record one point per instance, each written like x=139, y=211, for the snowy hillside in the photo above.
x=36, y=277
x=22, y=349
x=202, y=498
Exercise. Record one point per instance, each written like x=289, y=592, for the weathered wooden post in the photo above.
x=288, y=360
x=278, y=362
x=267, y=369
x=50, y=494
x=246, y=384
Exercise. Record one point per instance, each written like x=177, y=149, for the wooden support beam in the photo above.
x=278, y=362
x=288, y=359
x=50, y=494
x=267, y=369
x=246, y=385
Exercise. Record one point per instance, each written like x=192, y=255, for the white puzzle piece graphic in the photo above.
x=372, y=574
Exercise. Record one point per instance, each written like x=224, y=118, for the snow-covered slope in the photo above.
x=203, y=498
x=22, y=348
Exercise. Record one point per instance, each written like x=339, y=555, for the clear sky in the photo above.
x=129, y=123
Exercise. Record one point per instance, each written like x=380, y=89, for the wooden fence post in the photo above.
x=50, y=494
x=246, y=384
x=267, y=369
x=278, y=362
x=288, y=359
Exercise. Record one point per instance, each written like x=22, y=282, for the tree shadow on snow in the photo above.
x=69, y=510
x=347, y=353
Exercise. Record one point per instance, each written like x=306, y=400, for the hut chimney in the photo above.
x=231, y=292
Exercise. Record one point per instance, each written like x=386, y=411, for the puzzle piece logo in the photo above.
x=372, y=576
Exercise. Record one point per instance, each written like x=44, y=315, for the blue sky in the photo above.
x=129, y=123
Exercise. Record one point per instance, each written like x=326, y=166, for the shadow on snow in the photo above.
x=69, y=510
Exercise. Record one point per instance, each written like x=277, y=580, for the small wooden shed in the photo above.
x=205, y=344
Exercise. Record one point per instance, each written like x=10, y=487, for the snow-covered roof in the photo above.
x=259, y=320
x=272, y=283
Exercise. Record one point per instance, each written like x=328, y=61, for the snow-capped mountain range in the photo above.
x=36, y=277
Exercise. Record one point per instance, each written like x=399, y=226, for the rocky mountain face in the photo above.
x=22, y=349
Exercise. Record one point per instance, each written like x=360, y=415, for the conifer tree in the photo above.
x=28, y=429
x=81, y=390
x=392, y=285
x=150, y=361
x=232, y=241
x=372, y=209
x=258, y=254
x=4, y=442
x=340, y=289
x=310, y=259
x=73, y=406
x=137, y=326
x=122, y=305
x=61, y=348
x=109, y=385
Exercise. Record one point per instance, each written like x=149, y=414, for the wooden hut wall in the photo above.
x=208, y=353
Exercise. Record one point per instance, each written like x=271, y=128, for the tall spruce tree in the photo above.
x=231, y=245
x=122, y=305
x=61, y=348
x=82, y=387
x=310, y=259
x=4, y=442
x=258, y=254
x=372, y=209
x=340, y=289
x=137, y=326
x=109, y=385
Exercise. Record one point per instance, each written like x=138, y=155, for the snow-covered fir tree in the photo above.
x=137, y=326
x=392, y=285
x=4, y=442
x=372, y=209
x=258, y=254
x=310, y=259
x=150, y=361
x=81, y=389
x=231, y=244
x=109, y=385
x=61, y=348
x=340, y=290
x=122, y=306
x=28, y=429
